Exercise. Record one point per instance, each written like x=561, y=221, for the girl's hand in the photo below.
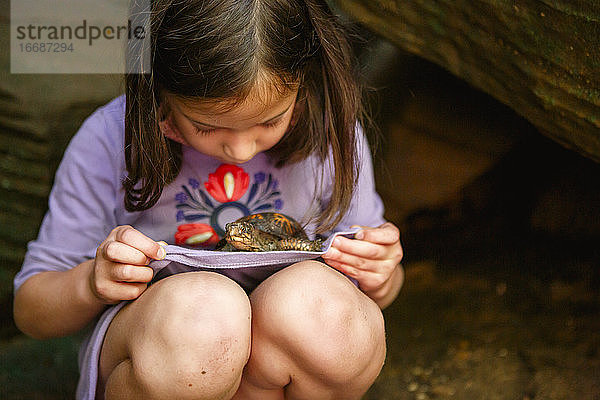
x=372, y=258
x=120, y=270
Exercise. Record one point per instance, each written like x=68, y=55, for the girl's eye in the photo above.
x=204, y=131
x=273, y=123
x=208, y=131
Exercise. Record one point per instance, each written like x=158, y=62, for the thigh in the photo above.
x=179, y=320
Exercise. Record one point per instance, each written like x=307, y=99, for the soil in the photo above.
x=516, y=318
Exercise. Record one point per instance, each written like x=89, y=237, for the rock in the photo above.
x=38, y=116
x=540, y=58
x=570, y=206
x=439, y=135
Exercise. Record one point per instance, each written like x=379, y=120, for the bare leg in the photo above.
x=314, y=336
x=186, y=337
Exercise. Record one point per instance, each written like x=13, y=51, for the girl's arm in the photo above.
x=56, y=303
x=373, y=259
x=59, y=303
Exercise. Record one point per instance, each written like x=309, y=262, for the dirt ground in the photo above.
x=516, y=318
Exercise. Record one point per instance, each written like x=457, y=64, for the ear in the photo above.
x=164, y=108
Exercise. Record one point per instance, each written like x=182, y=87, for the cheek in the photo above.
x=205, y=144
x=184, y=127
x=202, y=143
x=274, y=136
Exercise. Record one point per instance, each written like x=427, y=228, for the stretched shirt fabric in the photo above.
x=86, y=203
x=246, y=268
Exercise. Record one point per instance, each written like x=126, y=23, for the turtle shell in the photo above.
x=266, y=232
x=275, y=224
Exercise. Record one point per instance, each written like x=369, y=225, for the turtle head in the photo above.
x=241, y=235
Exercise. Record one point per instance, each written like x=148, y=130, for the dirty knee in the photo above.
x=333, y=328
x=197, y=339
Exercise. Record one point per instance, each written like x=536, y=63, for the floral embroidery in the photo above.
x=224, y=191
x=196, y=235
x=228, y=183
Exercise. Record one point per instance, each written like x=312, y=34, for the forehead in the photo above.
x=261, y=100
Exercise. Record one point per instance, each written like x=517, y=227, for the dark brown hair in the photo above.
x=217, y=50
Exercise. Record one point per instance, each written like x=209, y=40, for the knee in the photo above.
x=195, y=337
x=328, y=323
x=199, y=306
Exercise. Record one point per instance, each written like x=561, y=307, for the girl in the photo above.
x=250, y=106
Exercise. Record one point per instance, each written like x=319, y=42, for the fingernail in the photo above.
x=162, y=253
x=360, y=235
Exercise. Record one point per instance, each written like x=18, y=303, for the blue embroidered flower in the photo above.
x=275, y=184
x=259, y=177
x=194, y=183
x=180, y=215
x=181, y=197
x=278, y=204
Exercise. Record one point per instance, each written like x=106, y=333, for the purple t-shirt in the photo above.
x=86, y=201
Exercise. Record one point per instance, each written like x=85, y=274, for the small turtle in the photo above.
x=266, y=232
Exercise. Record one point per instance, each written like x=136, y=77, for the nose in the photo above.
x=240, y=146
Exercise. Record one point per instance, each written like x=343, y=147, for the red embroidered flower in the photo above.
x=196, y=235
x=227, y=183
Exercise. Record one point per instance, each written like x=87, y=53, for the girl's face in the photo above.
x=238, y=134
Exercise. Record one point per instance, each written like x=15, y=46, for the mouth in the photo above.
x=240, y=242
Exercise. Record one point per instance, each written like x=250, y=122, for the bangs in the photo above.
x=264, y=90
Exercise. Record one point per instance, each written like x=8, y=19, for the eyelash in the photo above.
x=206, y=132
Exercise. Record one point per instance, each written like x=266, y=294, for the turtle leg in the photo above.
x=300, y=244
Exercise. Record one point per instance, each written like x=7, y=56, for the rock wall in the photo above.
x=541, y=58
x=38, y=116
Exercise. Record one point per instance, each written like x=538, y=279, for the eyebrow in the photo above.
x=220, y=127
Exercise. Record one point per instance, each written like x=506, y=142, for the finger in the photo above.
x=359, y=248
x=335, y=255
x=131, y=273
x=132, y=291
x=366, y=280
x=387, y=233
x=127, y=290
x=136, y=239
x=112, y=292
x=123, y=253
x=345, y=269
x=392, y=256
